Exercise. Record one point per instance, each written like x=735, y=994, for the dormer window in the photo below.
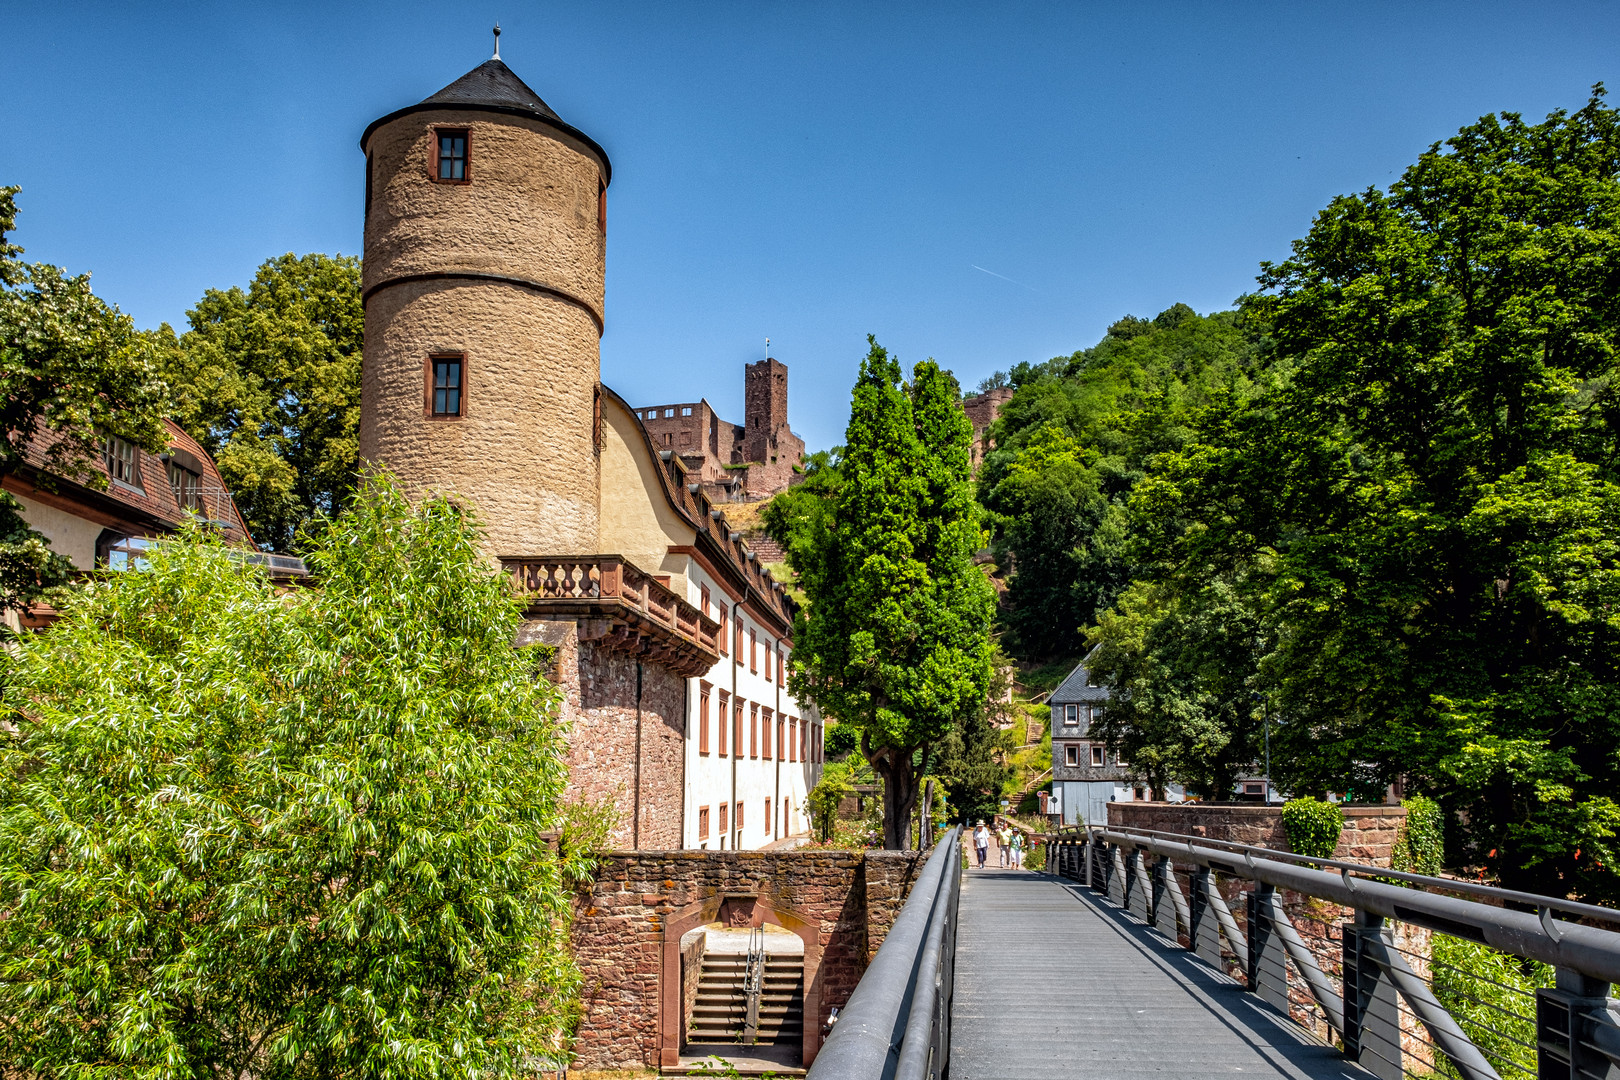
x=452, y=155
x=122, y=461
x=183, y=482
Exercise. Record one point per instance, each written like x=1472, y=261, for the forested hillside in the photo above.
x=1379, y=503
x=1078, y=436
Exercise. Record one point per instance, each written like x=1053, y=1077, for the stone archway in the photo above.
x=740, y=909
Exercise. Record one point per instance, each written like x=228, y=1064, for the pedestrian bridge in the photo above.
x=1144, y=953
x=1053, y=981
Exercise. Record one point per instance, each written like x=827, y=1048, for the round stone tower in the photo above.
x=485, y=245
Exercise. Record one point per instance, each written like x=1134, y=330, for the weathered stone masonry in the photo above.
x=601, y=712
x=628, y=927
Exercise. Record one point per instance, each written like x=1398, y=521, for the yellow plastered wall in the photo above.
x=637, y=520
x=69, y=534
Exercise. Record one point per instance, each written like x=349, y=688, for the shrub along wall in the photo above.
x=1369, y=831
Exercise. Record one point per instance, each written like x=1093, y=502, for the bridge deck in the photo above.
x=1053, y=982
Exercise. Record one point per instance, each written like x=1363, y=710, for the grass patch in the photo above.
x=1045, y=677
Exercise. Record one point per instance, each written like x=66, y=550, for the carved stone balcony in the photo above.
x=617, y=606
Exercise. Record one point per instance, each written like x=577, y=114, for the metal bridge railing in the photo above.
x=1390, y=999
x=897, y=1025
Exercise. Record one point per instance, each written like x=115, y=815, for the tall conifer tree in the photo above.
x=895, y=639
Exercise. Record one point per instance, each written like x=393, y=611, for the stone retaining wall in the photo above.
x=1369, y=831
x=629, y=922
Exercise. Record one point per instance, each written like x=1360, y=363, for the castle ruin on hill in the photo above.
x=734, y=462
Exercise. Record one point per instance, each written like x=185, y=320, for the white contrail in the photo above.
x=1004, y=277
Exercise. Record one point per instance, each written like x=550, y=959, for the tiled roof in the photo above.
x=153, y=498
x=492, y=83
x=494, y=87
x=1074, y=689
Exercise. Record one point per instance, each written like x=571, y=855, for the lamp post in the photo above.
x=1265, y=714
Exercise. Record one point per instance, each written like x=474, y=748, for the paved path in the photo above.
x=1052, y=982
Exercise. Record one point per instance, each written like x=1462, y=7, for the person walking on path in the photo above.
x=981, y=842
x=1018, y=850
x=1003, y=839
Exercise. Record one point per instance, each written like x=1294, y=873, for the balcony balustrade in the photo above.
x=618, y=606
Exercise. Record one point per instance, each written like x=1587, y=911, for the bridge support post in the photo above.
x=1118, y=885
x=1205, y=929
x=1141, y=889
x=1268, y=960
x=1164, y=907
x=1568, y=1021
x=1372, y=1023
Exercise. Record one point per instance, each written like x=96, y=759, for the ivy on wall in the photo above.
x=1313, y=826
x=1420, y=845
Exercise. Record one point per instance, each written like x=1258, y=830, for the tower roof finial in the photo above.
x=497, y=55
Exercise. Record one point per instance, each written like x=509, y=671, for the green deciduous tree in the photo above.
x=73, y=370
x=972, y=766
x=268, y=380
x=895, y=637
x=1071, y=445
x=252, y=834
x=1406, y=542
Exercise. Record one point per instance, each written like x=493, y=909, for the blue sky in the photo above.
x=981, y=183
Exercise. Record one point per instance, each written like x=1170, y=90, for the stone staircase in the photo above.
x=721, y=1010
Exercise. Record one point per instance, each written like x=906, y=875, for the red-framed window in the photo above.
x=703, y=718
x=723, y=699
x=767, y=734
x=703, y=823
x=445, y=375
x=450, y=158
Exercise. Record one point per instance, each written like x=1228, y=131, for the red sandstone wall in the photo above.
x=641, y=901
x=599, y=707
x=889, y=878
x=602, y=746
x=1369, y=831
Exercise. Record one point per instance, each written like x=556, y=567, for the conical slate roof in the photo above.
x=494, y=87
x=492, y=83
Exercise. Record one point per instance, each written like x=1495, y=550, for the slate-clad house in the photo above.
x=1086, y=773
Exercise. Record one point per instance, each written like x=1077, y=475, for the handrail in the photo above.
x=1591, y=950
x=1575, y=1032
x=899, y=1013
x=1512, y=896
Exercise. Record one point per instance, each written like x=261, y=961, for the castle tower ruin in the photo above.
x=485, y=251
x=765, y=408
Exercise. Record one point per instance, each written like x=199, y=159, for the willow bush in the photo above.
x=286, y=835
x=1492, y=996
